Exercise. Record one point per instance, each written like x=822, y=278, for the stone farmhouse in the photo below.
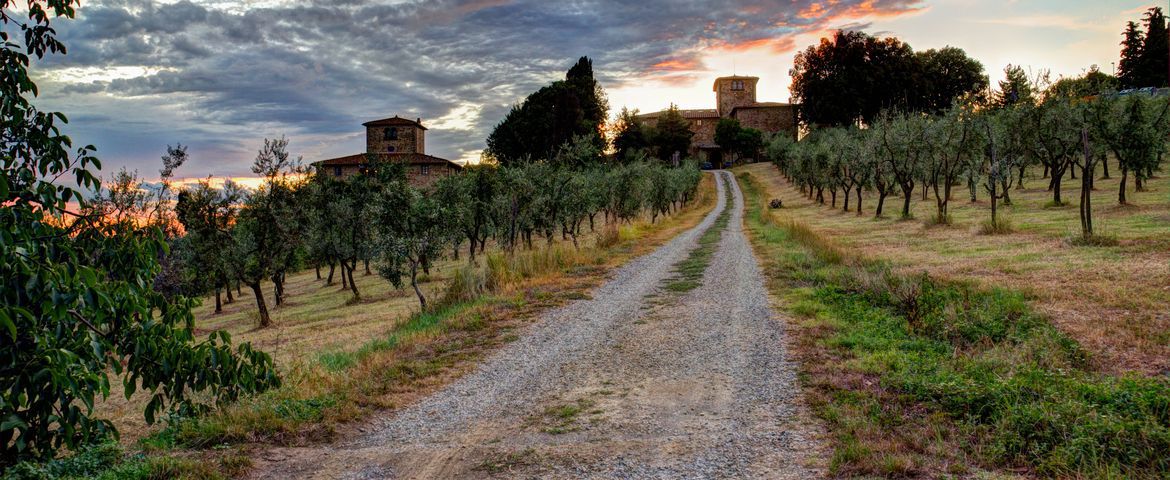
x=393, y=140
x=735, y=97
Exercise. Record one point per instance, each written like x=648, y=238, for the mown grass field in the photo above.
x=945, y=375
x=1113, y=300
x=343, y=361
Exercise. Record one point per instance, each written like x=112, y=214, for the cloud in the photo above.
x=224, y=75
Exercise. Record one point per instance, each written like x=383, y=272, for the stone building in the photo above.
x=393, y=140
x=735, y=97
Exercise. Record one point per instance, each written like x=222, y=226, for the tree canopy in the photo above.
x=551, y=117
x=853, y=77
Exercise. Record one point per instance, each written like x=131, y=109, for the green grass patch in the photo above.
x=688, y=274
x=110, y=462
x=419, y=323
x=921, y=377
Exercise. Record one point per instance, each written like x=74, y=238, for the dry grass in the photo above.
x=1112, y=299
x=318, y=322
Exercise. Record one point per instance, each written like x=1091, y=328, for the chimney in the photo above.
x=418, y=120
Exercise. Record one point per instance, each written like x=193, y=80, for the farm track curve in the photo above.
x=634, y=382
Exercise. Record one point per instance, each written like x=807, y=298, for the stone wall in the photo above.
x=768, y=119
x=419, y=176
x=410, y=140
x=727, y=99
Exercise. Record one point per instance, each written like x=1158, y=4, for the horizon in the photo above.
x=276, y=78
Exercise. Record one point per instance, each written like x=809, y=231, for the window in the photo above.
x=424, y=170
x=390, y=149
x=337, y=171
x=737, y=84
x=390, y=133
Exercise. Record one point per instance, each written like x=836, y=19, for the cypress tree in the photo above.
x=1155, y=53
x=1129, y=68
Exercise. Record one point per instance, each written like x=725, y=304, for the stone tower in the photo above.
x=734, y=91
x=395, y=135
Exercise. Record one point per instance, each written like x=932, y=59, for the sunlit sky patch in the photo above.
x=221, y=76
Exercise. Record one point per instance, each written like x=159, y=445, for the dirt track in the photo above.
x=636, y=382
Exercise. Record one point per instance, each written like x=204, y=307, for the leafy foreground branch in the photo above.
x=918, y=376
x=77, y=303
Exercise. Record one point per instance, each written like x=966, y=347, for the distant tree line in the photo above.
x=983, y=147
x=377, y=219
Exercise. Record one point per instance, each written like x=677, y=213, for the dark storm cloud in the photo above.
x=318, y=68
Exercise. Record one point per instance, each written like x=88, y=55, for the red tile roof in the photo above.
x=395, y=121
x=408, y=158
x=691, y=114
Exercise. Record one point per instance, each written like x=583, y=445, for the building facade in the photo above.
x=735, y=97
x=393, y=140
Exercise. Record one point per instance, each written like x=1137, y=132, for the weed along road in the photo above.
x=674, y=368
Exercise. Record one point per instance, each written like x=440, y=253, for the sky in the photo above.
x=221, y=75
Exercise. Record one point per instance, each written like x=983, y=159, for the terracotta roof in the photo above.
x=395, y=121
x=409, y=158
x=703, y=113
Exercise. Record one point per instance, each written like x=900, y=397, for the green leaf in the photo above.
x=6, y=322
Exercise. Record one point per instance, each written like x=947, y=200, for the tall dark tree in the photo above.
x=629, y=135
x=551, y=117
x=672, y=134
x=1016, y=88
x=948, y=74
x=854, y=76
x=1155, y=55
x=1129, y=68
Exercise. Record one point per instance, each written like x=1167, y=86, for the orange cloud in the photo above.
x=778, y=45
x=677, y=65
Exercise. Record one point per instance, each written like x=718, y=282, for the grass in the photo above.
x=1111, y=299
x=342, y=360
x=920, y=376
x=558, y=419
x=689, y=272
x=110, y=461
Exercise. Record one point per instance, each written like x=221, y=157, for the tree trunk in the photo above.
x=317, y=268
x=859, y=199
x=1086, y=188
x=422, y=301
x=1121, y=191
x=833, y=192
x=845, y=200
x=230, y=299
x=344, y=279
x=265, y=321
x=1105, y=166
x=218, y=303
x=366, y=261
x=329, y=279
x=907, y=196
x=353, y=284
x=1020, y=177
x=881, y=203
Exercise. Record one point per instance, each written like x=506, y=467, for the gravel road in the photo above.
x=636, y=382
